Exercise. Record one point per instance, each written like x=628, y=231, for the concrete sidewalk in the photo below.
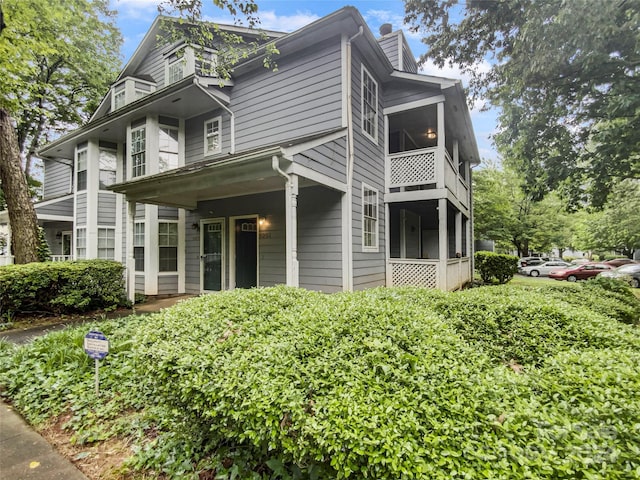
x=25, y=455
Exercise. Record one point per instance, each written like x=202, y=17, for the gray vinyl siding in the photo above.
x=140, y=283
x=167, y=284
x=63, y=208
x=302, y=97
x=389, y=46
x=194, y=136
x=153, y=64
x=320, y=239
x=167, y=213
x=368, y=267
x=405, y=92
x=408, y=61
x=328, y=159
x=81, y=209
x=57, y=178
x=107, y=209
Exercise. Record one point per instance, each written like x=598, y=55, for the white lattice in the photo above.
x=414, y=274
x=413, y=169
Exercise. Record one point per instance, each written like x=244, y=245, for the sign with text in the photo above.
x=96, y=345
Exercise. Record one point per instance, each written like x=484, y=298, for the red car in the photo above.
x=618, y=262
x=581, y=272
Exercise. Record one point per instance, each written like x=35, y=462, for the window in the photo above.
x=168, y=149
x=107, y=162
x=212, y=142
x=107, y=243
x=138, y=147
x=369, y=105
x=81, y=243
x=119, y=96
x=206, y=63
x=81, y=180
x=176, y=68
x=138, y=245
x=141, y=90
x=168, y=247
x=369, y=218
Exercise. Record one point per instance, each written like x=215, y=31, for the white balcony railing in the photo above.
x=417, y=167
x=61, y=258
x=458, y=273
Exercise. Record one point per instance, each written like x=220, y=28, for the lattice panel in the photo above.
x=414, y=274
x=413, y=169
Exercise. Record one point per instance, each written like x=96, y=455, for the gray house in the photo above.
x=343, y=169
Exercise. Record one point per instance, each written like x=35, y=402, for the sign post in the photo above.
x=96, y=346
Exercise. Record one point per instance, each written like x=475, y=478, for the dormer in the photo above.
x=130, y=89
x=184, y=60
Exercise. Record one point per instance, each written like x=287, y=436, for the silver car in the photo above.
x=544, y=268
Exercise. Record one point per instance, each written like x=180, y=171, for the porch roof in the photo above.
x=243, y=173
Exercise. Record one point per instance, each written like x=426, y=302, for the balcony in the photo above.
x=428, y=273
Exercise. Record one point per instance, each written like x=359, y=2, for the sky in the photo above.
x=135, y=18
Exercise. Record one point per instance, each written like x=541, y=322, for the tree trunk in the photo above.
x=22, y=214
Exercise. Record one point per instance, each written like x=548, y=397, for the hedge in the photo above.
x=61, y=287
x=496, y=266
x=281, y=383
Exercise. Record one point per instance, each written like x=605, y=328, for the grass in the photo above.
x=526, y=281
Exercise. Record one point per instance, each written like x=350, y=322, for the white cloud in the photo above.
x=269, y=20
x=135, y=8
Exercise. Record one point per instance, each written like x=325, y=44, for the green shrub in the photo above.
x=61, y=287
x=282, y=383
x=496, y=266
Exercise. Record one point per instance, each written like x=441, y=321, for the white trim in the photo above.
x=418, y=77
x=317, y=177
x=55, y=218
x=289, y=152
x=370, y=248
x=223, y=260
x=232, y=249
x=52, y=201
x=115, y=240
x=151, y=269
x=373, y=138
x=344, y=79
x=413, y=105
x=182, y=268
x=92, y=198
x=205, y=137
x=177, y=246
x=134, y=246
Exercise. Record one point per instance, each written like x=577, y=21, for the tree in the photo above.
x=565, y=76
x=59, y=59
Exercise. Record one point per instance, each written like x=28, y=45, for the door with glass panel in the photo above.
x=212, y=255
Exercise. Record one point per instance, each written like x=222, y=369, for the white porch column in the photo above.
x=443, y=243
x=291, y=215
x=130, y=263
x=440, y=161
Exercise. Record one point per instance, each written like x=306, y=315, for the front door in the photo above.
x=246, y=252
x=211, y=254
x=66, y=243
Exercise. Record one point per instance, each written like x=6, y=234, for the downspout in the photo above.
x=232, y=150
x=350, y=160
x=291, y=225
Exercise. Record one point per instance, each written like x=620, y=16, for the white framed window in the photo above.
x=206, y=63
x=107, y=160
x=138, y=245
x=369, y=219
x=138, y=151
x=176, y=67
x=107, y=243
x=141, y=89
x=81, y=168
x=212, y=140
x=81, y=243
x=369, y=107
x=168, y=247
x=167, y=148
x=119, y=96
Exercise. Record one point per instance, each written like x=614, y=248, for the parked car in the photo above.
x=618, y=262
x=581, y=272
x=629, y=272
x=580, y=261
x=544, y=268
x=528, y=261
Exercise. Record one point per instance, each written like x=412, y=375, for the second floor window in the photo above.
x=212, y=143
x=107, y=163
x=138, y=152
x=369, y=105
x=119, y=96
x=81, y=180
x=176, y=67
x=168, y=149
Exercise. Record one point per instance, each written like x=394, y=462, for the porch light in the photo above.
x=431, y=134
x=263, y=222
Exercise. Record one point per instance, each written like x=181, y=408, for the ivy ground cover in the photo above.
x=495, y=382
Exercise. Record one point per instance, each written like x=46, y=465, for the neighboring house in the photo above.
x=344, y=169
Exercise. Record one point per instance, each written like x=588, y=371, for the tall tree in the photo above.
x=58, y=60
x=565, y=76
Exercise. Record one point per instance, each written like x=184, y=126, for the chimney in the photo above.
x=385, y=29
